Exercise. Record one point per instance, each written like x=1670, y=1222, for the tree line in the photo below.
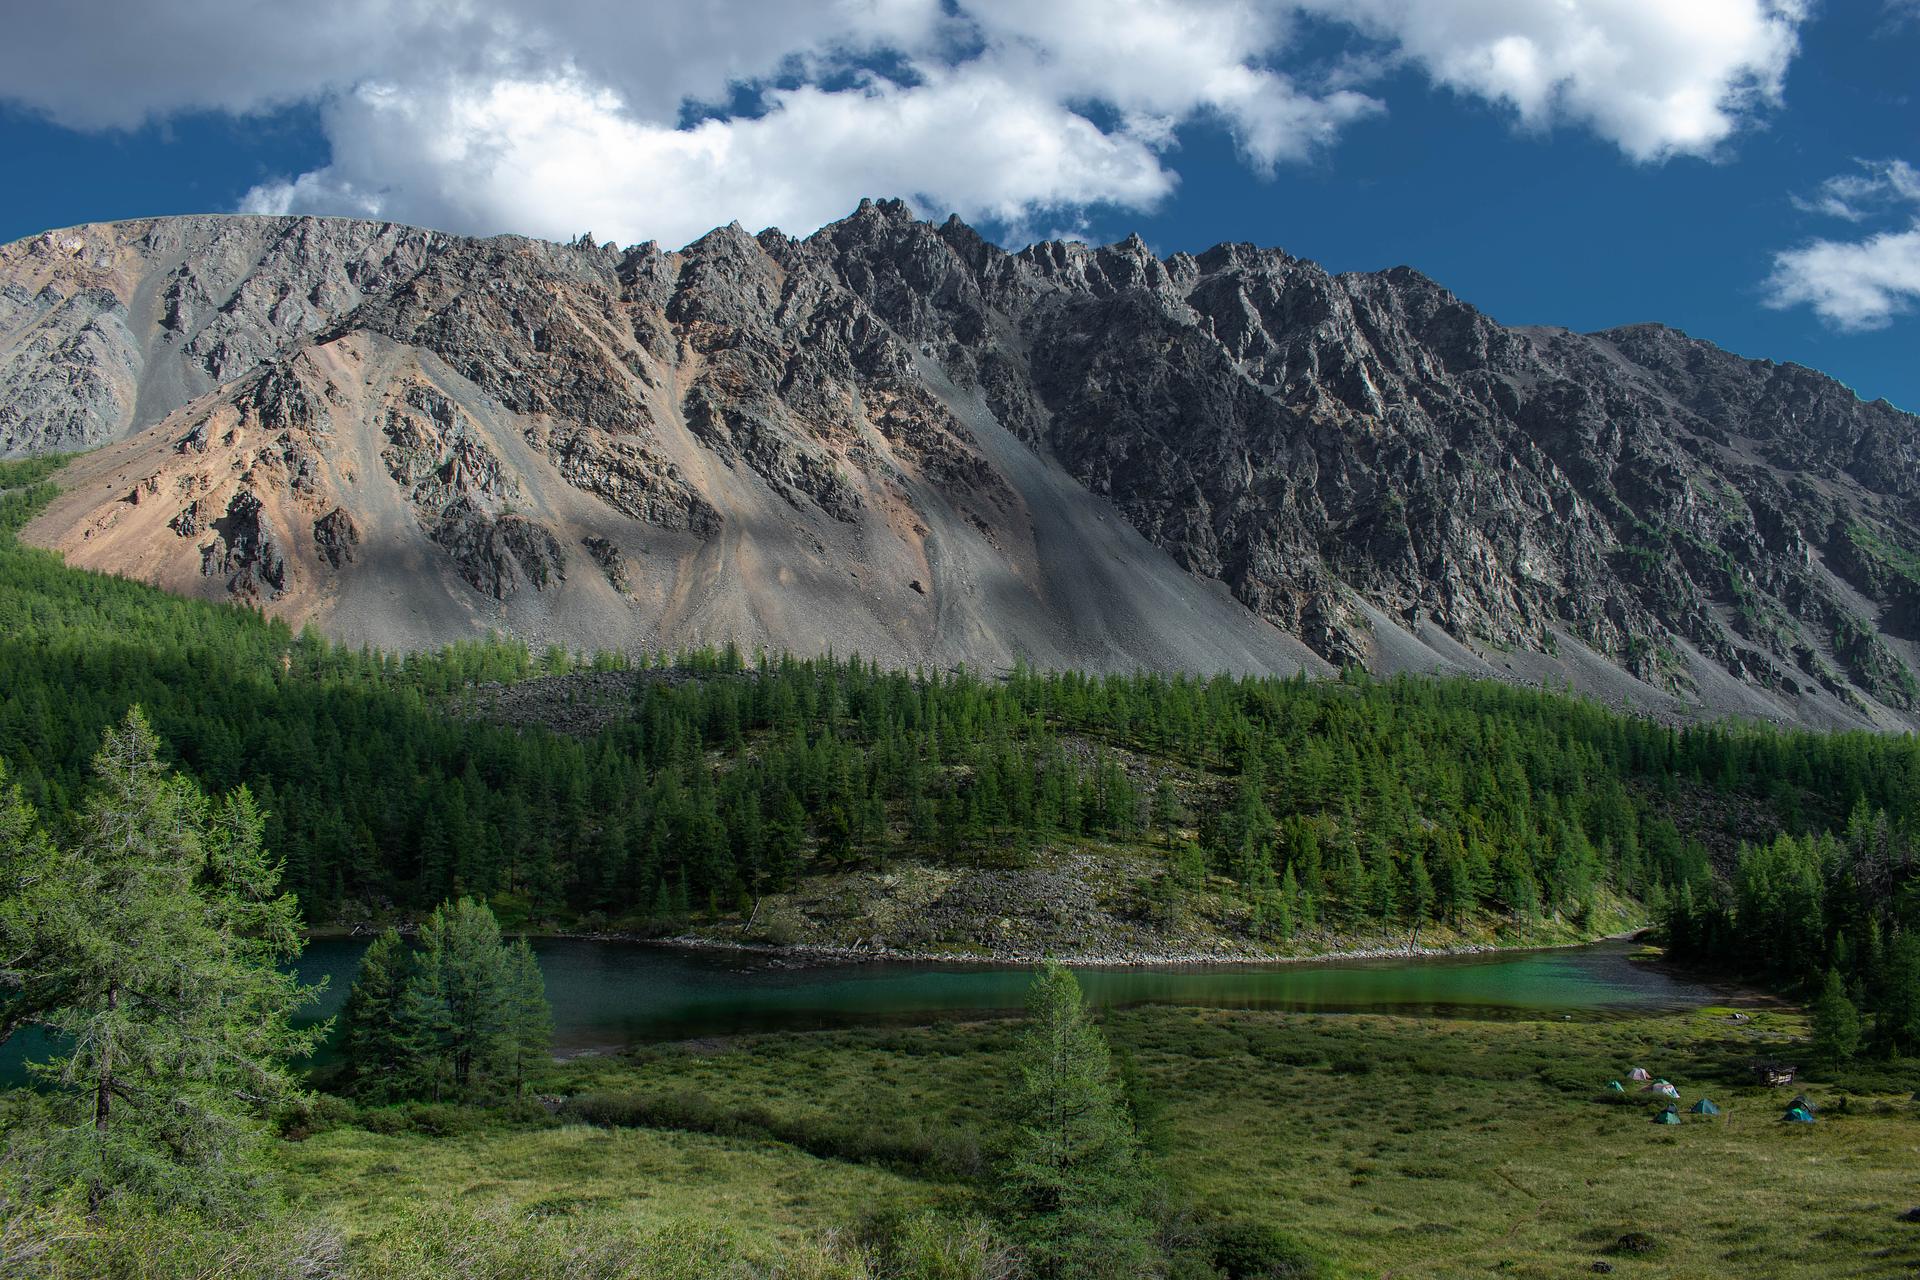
x=1353, y=802
x=1832, y=913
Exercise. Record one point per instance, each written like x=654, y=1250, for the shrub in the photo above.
x=316, y=1113
x=1246, y=1250
x=928, y=1246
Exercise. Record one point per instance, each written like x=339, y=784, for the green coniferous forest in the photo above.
x=1350, y=801
x=379, y=785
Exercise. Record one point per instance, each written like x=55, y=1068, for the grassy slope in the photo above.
x=1397, y=1146
x=639, y=1178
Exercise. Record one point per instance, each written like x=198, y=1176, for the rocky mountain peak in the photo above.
x=765, y=437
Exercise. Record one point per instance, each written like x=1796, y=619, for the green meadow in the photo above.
x=1385, y=1146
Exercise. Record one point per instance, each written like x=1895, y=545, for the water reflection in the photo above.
x=611, y=994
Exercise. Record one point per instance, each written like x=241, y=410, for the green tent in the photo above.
x=1704, y=1107
x=1799, y=1115
x=1616, y=1087
x=1669, y=1116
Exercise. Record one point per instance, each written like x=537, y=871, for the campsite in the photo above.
x=1378, y=1143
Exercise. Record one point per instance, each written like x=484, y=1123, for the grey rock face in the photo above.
x=1363, y=461
x=243, y=551
x=336, y=536
x=611, y=559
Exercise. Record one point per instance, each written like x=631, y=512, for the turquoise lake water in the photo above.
x=608, y=995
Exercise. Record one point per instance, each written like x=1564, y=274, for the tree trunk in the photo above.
x=103, y=1102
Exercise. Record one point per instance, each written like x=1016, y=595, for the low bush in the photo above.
x=909, y=1145
x=1248, y=1250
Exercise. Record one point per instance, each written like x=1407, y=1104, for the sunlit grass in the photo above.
x=626, y=1177
x=1398, y=1146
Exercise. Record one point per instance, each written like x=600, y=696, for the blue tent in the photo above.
x=1614, y=1086
x=1704, y=1107
x=1669, y=1116
x=1799, y=1115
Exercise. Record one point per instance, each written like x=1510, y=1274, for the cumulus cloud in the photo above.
x=656, y=121
x=1655, y=77
x=1859, y=284
x=561, y=156
x=1854, y=285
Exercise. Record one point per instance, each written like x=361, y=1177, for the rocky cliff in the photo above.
x=896, y=438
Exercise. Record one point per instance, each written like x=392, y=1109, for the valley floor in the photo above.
x=1392, y=1146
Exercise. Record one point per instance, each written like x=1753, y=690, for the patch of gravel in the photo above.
x=580, y=704
x=1075, y=905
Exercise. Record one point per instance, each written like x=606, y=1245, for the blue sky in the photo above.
x=1745, y=177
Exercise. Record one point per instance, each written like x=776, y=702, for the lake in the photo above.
x=609, y=995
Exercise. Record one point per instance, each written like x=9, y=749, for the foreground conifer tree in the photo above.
x=1074, y=1181
x=151, y=948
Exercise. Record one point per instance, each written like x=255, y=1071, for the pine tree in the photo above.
x=1383, y=883
x=1167, y=810
x=1417, y=900
x=1896, y=1022
x=529, y=1018
x=1836, y=1023
x=1073, y=1180
x=461, y=1015
x=1289, y=914
x=454, y=1012
x=157, y=941
x=375, y=1036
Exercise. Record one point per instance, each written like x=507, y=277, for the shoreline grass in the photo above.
x=1391, y=1145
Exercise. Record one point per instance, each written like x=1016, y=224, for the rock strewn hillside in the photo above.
x=897, y=438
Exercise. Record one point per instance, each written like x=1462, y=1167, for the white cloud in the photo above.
x=550, y=119
x=97, y=64
x=1658, y=78
x=1861, y=284
x=1852, y=285
x=558, y=157
x=1856, y=197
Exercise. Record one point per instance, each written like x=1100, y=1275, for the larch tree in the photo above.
x=28, y=978
x=1073, y=1178
x=375, y=1039
x=529, y=1018
x=455, y=1006
x=1835, y=1021
x=156, y=942
x=460, y=1014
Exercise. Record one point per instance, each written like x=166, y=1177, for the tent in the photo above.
x=1704, y=1107
x=1614, y=1086
x=1798, y=1115
x=1638, y=1073
x=1662, y=1088
x=1800, y=1102
x=1669, y=1116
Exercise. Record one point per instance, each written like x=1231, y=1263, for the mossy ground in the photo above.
x=1394, y=1146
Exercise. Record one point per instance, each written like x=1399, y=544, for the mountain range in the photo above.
x=896, y=439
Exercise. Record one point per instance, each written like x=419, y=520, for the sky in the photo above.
x=1745, y=170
